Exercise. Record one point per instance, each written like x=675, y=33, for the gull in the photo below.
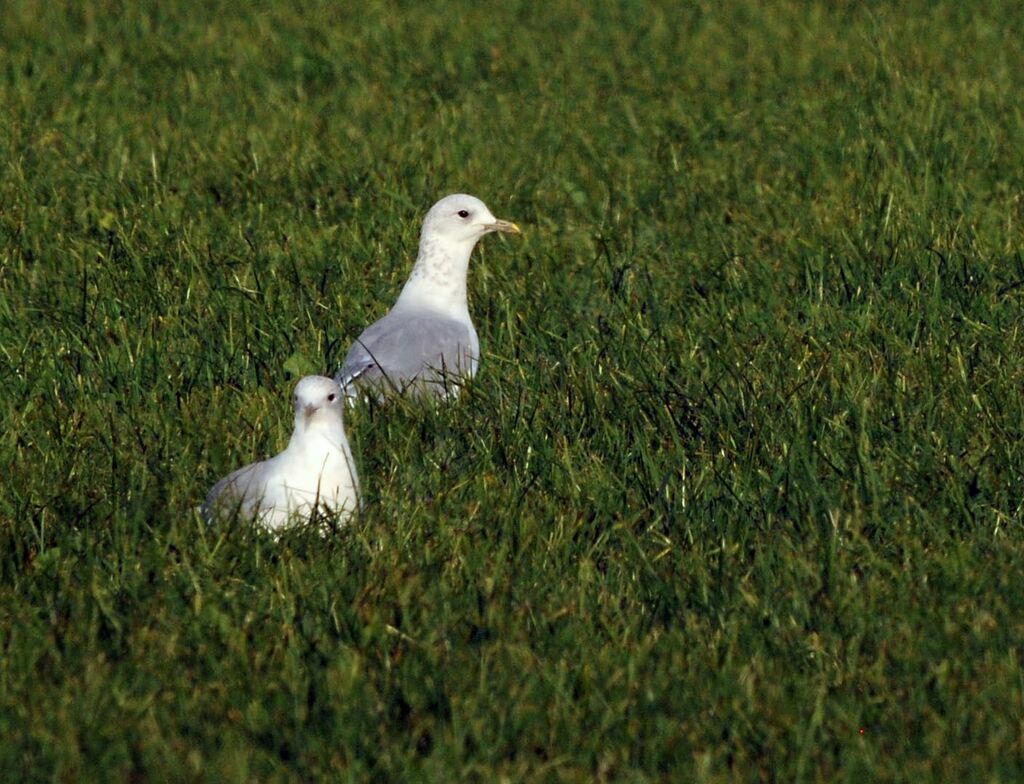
x=427, y=337
x=315, y=472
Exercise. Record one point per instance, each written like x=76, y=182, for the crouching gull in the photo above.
x=427, y=340
x=314, y=473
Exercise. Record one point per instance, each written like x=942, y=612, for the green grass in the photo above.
x=735, y=497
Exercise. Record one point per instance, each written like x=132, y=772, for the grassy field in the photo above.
x=737, y=495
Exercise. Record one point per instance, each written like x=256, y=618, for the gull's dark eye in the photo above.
x=463, y=213
x=330, y=398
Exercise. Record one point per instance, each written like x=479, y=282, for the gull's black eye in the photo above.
x=463, y=213
x=330, y=398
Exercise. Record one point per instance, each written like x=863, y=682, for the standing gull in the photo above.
x=427, y=337
x=314, y=472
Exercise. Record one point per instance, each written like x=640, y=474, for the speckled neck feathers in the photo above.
x=438, y=279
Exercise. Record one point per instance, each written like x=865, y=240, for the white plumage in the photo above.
x=428, y=334
x=315, y=471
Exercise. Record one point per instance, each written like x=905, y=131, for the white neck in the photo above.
x=322, y=434
x=438, y=278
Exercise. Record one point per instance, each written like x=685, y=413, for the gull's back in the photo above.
x=409, y=347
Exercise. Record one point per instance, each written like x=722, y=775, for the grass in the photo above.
x=735, y=497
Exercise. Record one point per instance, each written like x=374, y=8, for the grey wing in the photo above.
x=401, y=348
x=229, y=494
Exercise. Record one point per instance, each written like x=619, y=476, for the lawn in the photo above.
x=737, y=494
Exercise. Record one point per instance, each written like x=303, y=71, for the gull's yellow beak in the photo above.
x=506, y=227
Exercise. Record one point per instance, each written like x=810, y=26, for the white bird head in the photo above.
x=319, y=401
x=461, y=218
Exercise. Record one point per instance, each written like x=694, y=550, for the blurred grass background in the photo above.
x=735, y=497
